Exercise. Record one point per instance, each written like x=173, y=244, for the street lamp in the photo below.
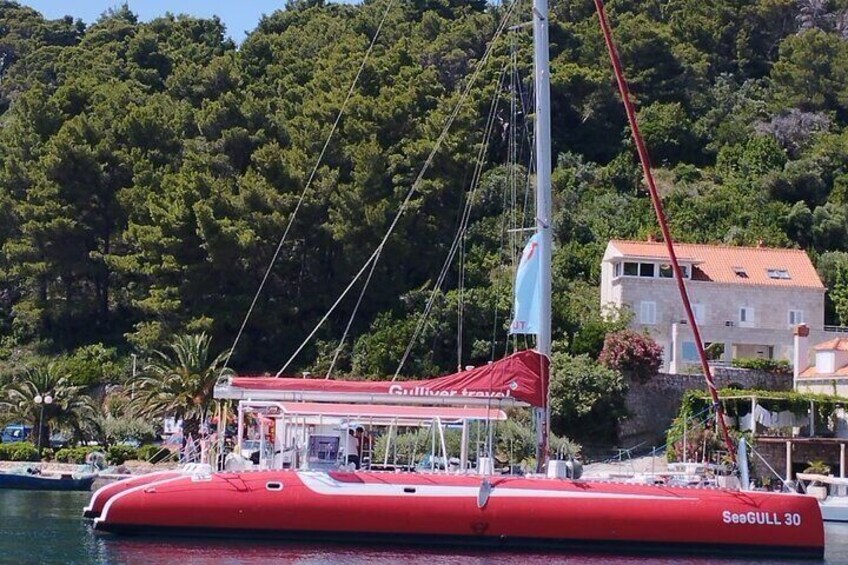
x=41, y=401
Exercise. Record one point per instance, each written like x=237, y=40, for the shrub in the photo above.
x=126, y=428
x=631, y=353
x=818, y=466
x=18, y=451
x=117, y=454
x=777, y=366
x=595, y=326
x=587, y=399
x=153, y=453
x=75, y=454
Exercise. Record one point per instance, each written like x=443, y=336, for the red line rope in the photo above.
x=645, y=159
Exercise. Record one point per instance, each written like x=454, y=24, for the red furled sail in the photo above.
x=518, y=376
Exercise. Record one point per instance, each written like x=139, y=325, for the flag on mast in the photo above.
x=526, y=320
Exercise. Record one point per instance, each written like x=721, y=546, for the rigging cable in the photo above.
x=352, y=316
x=414, y=188
x=460, y=233
x=306, y=188
x=460, y=301
x=645, y=159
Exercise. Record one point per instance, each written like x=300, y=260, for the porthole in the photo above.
x=274, y=486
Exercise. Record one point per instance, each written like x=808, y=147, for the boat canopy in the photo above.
x=516, y=380
x=376, y=414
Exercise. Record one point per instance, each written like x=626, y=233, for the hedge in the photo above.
x=18, y=451
x=153, y=453
x=117, y=454
x=778, y=366
x=76, y=454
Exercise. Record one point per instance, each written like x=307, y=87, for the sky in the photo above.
x=240, y=16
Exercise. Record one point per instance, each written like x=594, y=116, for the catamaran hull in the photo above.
x=439, y=509
x=104, y=493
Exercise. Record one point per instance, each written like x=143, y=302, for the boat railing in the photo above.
x=157, y=456
x=191, y=452
x=822, y=486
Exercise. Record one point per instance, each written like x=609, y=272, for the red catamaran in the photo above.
x=289, y=498
x=423, y=507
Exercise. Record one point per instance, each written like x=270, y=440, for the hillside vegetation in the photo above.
x=148, y=169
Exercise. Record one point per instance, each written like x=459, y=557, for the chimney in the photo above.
x=760, y=244
x=801, y=351
x=652, y=238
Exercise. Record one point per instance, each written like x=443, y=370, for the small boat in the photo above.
x=831, y=492
x=31, y=478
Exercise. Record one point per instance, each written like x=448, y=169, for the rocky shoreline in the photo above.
x=129, y=467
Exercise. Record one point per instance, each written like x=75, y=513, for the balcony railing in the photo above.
x=837, y=329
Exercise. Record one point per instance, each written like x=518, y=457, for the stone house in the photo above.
x=826, y=370
x=745, y=299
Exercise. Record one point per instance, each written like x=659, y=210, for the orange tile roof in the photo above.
x=718, y=263
x=835, y=344
x=812, y=373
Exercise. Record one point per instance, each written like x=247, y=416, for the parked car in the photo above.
x=15, y=432
x=59, y=440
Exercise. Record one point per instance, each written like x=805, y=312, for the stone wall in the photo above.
x=654, y=405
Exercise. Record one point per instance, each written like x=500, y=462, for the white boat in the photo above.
x=831, y=492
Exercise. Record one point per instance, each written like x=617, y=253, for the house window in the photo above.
x=746, y=316
x=700, y=312
x=740, y=272
x=796, y=317
x=778, y=273
x=689, y=351
x=616, y=270
x=652, y=270
x=648, y=313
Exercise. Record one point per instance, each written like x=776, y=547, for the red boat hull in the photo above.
x=102, y=495
x=407, y=507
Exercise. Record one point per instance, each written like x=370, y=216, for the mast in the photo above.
x=542, y=416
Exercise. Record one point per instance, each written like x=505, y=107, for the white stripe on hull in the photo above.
x=104, y=514
x=322, y=483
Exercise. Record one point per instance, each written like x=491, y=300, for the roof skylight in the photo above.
x=778, y=273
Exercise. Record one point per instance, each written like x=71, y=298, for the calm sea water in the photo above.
x=45, y=527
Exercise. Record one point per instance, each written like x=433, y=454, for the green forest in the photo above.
x=149, y=169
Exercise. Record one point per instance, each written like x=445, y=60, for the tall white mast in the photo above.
x=543, y=208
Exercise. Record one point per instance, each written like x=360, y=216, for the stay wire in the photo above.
x=458, y=237
x=352, y=317
x=308, y=185
x=414, y=188
x=656, y=201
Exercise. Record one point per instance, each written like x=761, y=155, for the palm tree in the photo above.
x=180, y=383
x=70, y=408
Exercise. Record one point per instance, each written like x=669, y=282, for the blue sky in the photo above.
x=239, y=16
